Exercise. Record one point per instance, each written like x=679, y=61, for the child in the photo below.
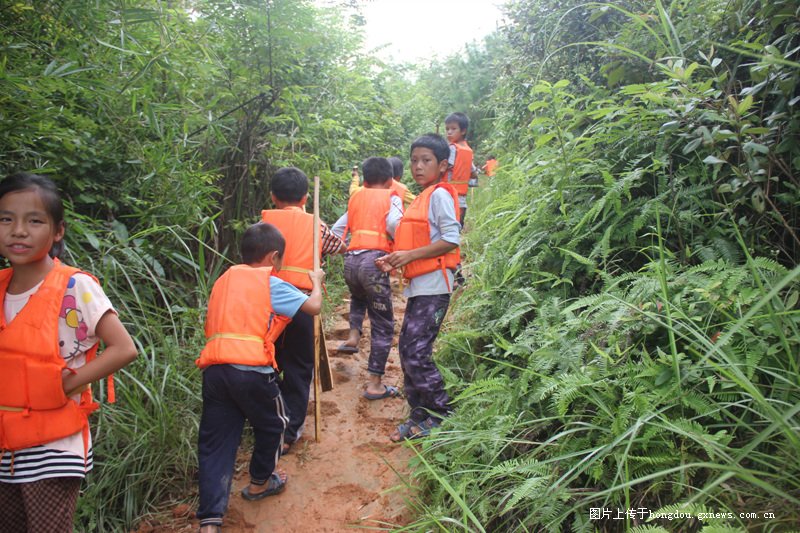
x=490, y=166
x=397, y=185
x=51, y=321
x=371, y=218
x=294, y=350
x=460, y=167
x=247, y=310
x=426, y=245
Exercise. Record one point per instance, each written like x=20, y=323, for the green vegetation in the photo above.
x=628, y=337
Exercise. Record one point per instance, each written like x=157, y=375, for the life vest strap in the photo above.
x=236, y=336
x=295, y=269
x=12, y=409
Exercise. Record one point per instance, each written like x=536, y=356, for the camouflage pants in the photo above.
x=423, y=384
x=370, y=293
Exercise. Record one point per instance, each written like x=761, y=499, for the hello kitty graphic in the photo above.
x=74, y=319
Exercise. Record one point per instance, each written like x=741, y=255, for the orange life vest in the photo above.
x=462, y=168
x=414, y=231
x=297, y=228
x=490, y=166
x=366, y=219
x=400, y=190
x=241, y=326
x=34, y=409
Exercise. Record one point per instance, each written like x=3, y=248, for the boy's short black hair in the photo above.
x=289, y=184
x=259, y=240
x=460, y=118
x=397, y=166
x=435, y=143
x=376, y=170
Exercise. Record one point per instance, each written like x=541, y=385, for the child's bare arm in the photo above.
x=313, y=305
x=119, y=352
x=398, y=259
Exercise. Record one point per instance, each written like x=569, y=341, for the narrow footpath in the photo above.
x=352, y=478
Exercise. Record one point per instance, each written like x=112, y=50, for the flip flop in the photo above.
x=275, y=485
x=423, y=429
x=403, y=431
x=388, y=392
x=344, y=348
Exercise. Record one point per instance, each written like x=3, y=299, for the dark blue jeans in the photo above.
x=231, y=396
x=294, y=353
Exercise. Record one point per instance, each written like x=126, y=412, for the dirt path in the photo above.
x=349, y=478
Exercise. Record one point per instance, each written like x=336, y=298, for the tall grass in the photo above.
x=145, y=444
x=628, y=338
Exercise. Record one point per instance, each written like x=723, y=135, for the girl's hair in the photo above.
x=49, y=194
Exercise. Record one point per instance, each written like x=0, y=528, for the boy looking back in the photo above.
x=426, y=246
x=371, y=218
x=295, y=348
x=460, y=167
x=247, y=310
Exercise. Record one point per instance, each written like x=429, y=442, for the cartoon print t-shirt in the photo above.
x=83, y=306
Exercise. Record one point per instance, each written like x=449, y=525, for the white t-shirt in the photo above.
x=83, y=306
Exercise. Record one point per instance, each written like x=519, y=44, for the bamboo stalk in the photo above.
x=317, y=385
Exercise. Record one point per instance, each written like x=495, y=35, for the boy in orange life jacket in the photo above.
x=460, y=167
x=371, y=218
x=397, y=185
x=426, y=245
x=247, y=310
x=294, y=350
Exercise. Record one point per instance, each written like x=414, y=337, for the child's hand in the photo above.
x=389, y=262
x=317, y=275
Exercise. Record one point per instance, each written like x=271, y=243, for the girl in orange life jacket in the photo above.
x=50, y=323
x=426, y=245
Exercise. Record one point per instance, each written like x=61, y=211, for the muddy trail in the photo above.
x=351, y=478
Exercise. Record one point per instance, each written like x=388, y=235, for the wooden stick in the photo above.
x=317, y=384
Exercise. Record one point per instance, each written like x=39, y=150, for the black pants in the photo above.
x=294, y=353
x=230, y=396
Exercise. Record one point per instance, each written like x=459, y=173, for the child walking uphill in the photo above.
x=247, y=310
x=426, y=246
x=294, y=350
x=51, y=321
x=371, y=218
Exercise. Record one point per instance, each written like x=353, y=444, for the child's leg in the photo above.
x=45, y=505
x=358, y=299
x=294, y=353
x=263, y=406
x=423, y=383
x=221, y=425
x=375, y=284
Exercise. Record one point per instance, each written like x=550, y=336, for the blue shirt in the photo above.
x=286, y=301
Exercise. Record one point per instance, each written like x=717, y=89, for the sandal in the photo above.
x=388, y=392
x=423, y=429
x=403, y=431
x=346, y=348
x=275, y=485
